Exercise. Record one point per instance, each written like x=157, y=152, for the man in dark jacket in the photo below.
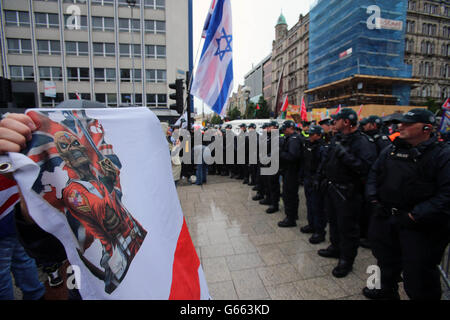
x=346, y=169
x=409, y=191
x=313, y=151
x=290, y=163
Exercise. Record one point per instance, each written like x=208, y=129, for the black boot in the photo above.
x=317, y=238
x=245, y=181
x=343, y=268
x=258, y=197
x=255, y=188
x=365, y=243
x=330, y=252
x=380, y=294
x=272, y=209
x=307, y=229
x=287, y=223
x=265, y=201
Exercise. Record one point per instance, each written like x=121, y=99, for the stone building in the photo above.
x=428, y=49
x=290, y=59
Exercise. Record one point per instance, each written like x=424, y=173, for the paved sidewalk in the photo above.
x=245, y=255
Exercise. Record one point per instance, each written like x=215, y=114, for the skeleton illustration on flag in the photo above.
x=79, y=176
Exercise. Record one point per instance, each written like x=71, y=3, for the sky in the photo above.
x=253, y=31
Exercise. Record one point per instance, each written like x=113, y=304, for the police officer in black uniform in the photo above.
x=409, y=190
x=346, y=169
x=261, y=184
x=229, y=146
x=290, y=155
x=253, y=167
x=313, y=152
x=271, y=182
x=372, y=127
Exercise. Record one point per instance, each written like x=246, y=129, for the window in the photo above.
x=127, y=48
x=126, y=98
x=105, y=74
x=78, y=74
x=17, y=18
x=126, y=77
x=409, y=45
x=109, y=99
x=411, y=5
x=447, y=71
x=152, y=75
x=128, y=25
x=446, y=32
x=21, y=72
x=155, y=26
x=125, y=3
x=103, y=23
x=156, y=100
x=77, y=23
x=74, y=1
x=152, y=51
x=50, y=73
x=410, y=26
x=104, y=49
x=103, y=2
x=19, y=46
x=46, y=20
x=51, y=102
x=428, y=69
x=155, y=4
x=51, y=47
x=76, y=48
x=83, y=96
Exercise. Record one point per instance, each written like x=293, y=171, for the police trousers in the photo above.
x=315, y=207
x=290, y=193
x=272, y=188
x=343, y=209
x=407, y=247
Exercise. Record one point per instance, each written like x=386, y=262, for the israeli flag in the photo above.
x=213, y=81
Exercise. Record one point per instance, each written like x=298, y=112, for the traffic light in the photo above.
x=178, y=96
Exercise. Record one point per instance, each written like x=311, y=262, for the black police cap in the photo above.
x=325, y=122
x=374, y=119
x=242, y=125
x=364, y=121
x=417, y=116
x=274, y=124
x=252, y=125
x=228, y=126
x=289, y=124
x=315, y=129
x=347, y=114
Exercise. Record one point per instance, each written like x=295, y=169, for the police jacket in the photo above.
x=413, y=179
x=291, y=153
x=381, y=140
x=312, y=157
x=349, y=159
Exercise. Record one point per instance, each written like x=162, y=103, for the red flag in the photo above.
x=77, y=95
x=360, y=110
x=285, y=105
x=446, y=105
x=303, y=112
x=9, y=195
x=257, y=107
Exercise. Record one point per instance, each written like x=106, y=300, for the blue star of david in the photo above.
x=228, y=39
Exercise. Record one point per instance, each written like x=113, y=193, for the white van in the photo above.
x=247, y=122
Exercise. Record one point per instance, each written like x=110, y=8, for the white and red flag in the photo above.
x=9, y=196
x=100, y=180
x=360, y=111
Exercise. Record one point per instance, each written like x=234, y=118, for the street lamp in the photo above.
x=132, y=4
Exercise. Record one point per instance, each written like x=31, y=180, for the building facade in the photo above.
x=428, y=49
x=99, y=50
x=267, y=81
x=254, y=79
x=290, y=59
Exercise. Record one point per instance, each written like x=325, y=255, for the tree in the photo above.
x=234, y=113
x=250, y=111
x=215, y=119
x=432, y=105
x=264, y=110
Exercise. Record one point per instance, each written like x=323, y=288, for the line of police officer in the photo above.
x=393, y=197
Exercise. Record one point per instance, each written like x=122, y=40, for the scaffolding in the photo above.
x=359, y=37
